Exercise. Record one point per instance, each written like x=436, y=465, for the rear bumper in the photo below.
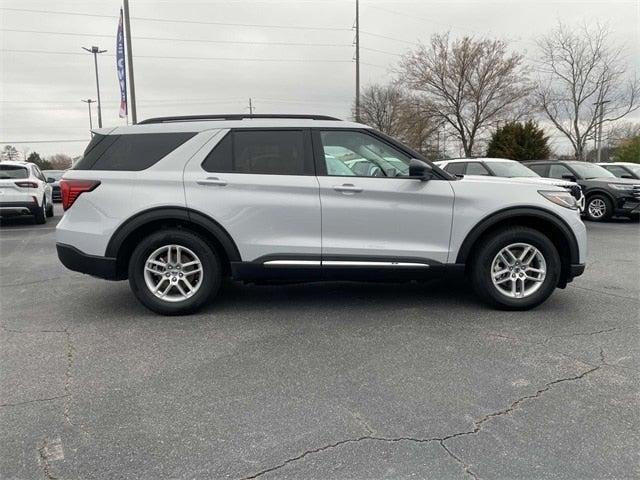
x=10, y=209
x=74, y=259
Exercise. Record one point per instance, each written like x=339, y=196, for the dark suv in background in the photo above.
x=606, y=194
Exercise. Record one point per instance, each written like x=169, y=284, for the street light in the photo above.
x=96, y=51
x=88, y=101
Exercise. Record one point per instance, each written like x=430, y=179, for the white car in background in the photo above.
x=24, y=191
x=502, y=167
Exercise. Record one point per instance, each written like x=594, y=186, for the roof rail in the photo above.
x=234, y=116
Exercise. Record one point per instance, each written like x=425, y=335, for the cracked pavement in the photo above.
x=340, y=380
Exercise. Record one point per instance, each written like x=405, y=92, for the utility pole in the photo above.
x=88, y=101
x=250, y=107
x=357, y=42
x=96, y=51
x=601, y=104
x=132, y=85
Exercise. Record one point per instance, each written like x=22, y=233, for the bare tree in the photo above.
x=580, y=74
x=59, y=161
x=471, y=84
x=381, y=107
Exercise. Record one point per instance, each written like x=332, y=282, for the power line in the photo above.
x=242, y=59
x=381, y=51
x=174, y=39
x=388, y=38
x=43, y=141
x=194, y=22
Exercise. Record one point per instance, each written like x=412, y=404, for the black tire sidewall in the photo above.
x=41, y=214
x=210, y=264
x=608, y=204
x=481, y=269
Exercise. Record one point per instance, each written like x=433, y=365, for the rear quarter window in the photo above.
x=133, y=152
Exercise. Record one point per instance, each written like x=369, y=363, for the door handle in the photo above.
x=211, y=181
x=347, y=188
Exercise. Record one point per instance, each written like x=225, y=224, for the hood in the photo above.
x=542, y=182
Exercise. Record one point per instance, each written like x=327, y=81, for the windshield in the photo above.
x=510, y=169
x=13, y=171
x=589, y=170
x=634, y=168
x=55, y=174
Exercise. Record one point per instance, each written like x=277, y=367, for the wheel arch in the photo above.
x=559, y=232
x=127, y=236
x=598, y=191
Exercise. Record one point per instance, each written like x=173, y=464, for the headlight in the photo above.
x=564, y=199
x=621, y=186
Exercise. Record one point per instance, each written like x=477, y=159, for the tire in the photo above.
x=40, y=216
x=534, y=293
x=596, y=204
x=50, y=210
x=191, y=246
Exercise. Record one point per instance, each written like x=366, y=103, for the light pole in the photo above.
x=96, y=51
x=88, y=101
x=601, y=104
x=357, y=43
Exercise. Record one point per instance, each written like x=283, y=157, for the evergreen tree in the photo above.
x=519, y=141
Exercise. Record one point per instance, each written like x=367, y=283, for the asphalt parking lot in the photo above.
x=340, y=380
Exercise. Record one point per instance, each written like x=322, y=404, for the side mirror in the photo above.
x=571, y=178
x=419, y=169
x=50, y=179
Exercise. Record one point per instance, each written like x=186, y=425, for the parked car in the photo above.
x=623, y=169
x=53, y=177
x=502, y=167
x=606, y=195
x=176, y=203
x=24, y=191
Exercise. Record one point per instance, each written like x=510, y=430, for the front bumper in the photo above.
x=74, y=259
x=12, y=209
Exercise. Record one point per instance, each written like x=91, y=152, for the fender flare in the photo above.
x=173, y=213
x=598, y=191
x=516, y=213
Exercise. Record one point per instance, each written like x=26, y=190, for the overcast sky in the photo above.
x=244, y=49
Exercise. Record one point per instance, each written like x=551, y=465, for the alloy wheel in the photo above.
x=597, y=208
x=518, y=270
x=173, y=273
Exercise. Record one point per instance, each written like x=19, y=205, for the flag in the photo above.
x=122, y=69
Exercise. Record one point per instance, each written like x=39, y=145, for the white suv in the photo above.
x=24, y=191
x=174, y=204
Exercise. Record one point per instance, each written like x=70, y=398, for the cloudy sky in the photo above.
x=210, y=56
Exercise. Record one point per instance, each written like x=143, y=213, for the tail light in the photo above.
x=27, y=184
x=71, y=189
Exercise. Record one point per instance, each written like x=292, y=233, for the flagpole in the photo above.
x=132, y=88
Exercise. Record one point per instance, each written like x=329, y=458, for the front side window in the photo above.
x=589, y=170
x=349, y=153
x=616, y=170
x=268, y=152
x=559, y=171
x=476, y=168
x=457, y=168
x=511, y=169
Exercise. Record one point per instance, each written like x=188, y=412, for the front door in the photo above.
x=371, y=210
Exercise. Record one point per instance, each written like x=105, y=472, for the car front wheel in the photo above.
x=174, y=272
x=599, y=208
x=516, y=268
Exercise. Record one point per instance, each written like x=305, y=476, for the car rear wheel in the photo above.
x=599, y=208
x=40, y=216
x=174, y=272
x=50, y=210
x=515, y=269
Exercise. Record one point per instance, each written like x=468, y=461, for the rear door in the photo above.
x=10, y=177
x=260, y=185
x=378, y=212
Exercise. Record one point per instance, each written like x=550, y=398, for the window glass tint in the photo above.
x=267, y=152
x=557, y=171
x=97, y=146
x=362, y=155
x=539, y=169
x=38, y=173
x=13, y=171
x=589, y=170
x=476, y=168
x=456, y=168
x=616, y=170
x=510, y=169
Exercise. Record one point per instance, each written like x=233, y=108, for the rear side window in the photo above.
x=13, y=171
x=268, y=152
x=540, y=169
x=130, y=152
x=475, y=168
